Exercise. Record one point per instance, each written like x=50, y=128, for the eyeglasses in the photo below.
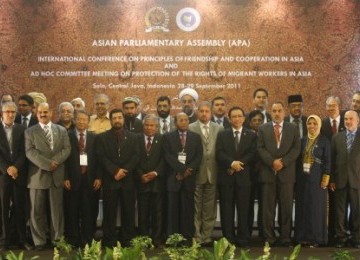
x=9, y=112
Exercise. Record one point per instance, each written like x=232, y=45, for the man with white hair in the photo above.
x=188, y=98
x=78, y=103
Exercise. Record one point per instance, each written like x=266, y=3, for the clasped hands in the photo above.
x=236, y=166
x=147, y=177
x=182, y=175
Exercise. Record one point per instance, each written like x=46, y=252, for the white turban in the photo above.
x=189, y=91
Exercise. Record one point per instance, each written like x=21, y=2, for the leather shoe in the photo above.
x=286, y=244
x=340, y=244
x=27, y=246
x=40, y=247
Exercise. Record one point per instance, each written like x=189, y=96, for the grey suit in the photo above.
x=205, y=191
x=345, y=173
x=277, y=185
x=170, y=128
x=41, y=180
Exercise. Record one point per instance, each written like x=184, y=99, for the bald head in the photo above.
x=351, y=120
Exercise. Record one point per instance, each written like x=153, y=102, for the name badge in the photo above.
x=182, y=157
x=306, y=167
x=83, y=159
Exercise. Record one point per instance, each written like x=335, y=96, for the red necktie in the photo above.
x=277, y=133
x=148, y=144
x=183, y=139
x=334, y=127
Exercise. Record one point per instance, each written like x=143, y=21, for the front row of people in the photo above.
x=176, y=177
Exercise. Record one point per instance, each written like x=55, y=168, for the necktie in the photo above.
x=182, y=139
x=237, y=140
x=277, y=133
x=349, y=140
x=24, y=121
x=48, y=135
x=296, y=121
x=334, y=127
x=82, y=143
x=206, y=132
x=148, y=144
x=219, y=121
x=165, y=128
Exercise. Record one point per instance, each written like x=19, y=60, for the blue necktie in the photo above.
x=349, y=140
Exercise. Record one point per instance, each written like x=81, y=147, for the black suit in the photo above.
x=303, y=124
x=133, y=125
x=235, y=189
x=114, y=154
x=33, y=120
x=345, y=173
x=13, y=190
x=226, y=123
x=81, y=202
x=181, y=192
x=277, y=185
x=151, y=194
x=326, y=130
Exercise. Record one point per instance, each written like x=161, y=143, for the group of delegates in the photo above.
x=175, y=168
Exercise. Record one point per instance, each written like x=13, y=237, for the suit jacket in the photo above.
x=208, y=166
x=303, y=124
x=17, y=158
x=72, y=164
x=267, y=150
x=326, y=126
x=194, y=152
x=33, y=120
x=151, y=161
x=108, y=157
x=41, y=155
x=226, y=123
x=345, y=167
x=134, y=125
x=226, y=154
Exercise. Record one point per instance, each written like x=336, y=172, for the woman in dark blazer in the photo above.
x=311, y=194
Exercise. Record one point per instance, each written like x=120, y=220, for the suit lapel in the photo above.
x=356, y=143
x=4, y=140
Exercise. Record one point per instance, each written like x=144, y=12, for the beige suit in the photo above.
x=206, y=180
x=41, y=180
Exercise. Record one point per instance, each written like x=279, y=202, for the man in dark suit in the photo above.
x=295, y=106
x=332, y=124
x=166, y=121
x=218, y=107
x=151, y=181
x=235, y=152
x=25, y=116
x=278, y=148
x=118, y=155
x=183, y=153
x=345, y=178
x=355, y=102
x=47, y=147
x=13, y=176
x=82, y=184
x=132, y=123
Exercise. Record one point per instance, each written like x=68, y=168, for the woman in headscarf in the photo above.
x=311, y=187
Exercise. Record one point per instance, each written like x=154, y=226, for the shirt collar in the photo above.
x=280, y=124
x=6, y=126
x=42, y=125
x=234, y=130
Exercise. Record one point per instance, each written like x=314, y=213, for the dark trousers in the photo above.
x=181, y=210
x=81, y=210
x=231, y=196
x=150, y=211
x=12, y=192
x=340, y=208
x=271, y=193
x=111, y=198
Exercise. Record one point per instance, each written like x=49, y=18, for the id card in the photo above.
x=182, y=157
x=306, y=167
x=83, y=159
